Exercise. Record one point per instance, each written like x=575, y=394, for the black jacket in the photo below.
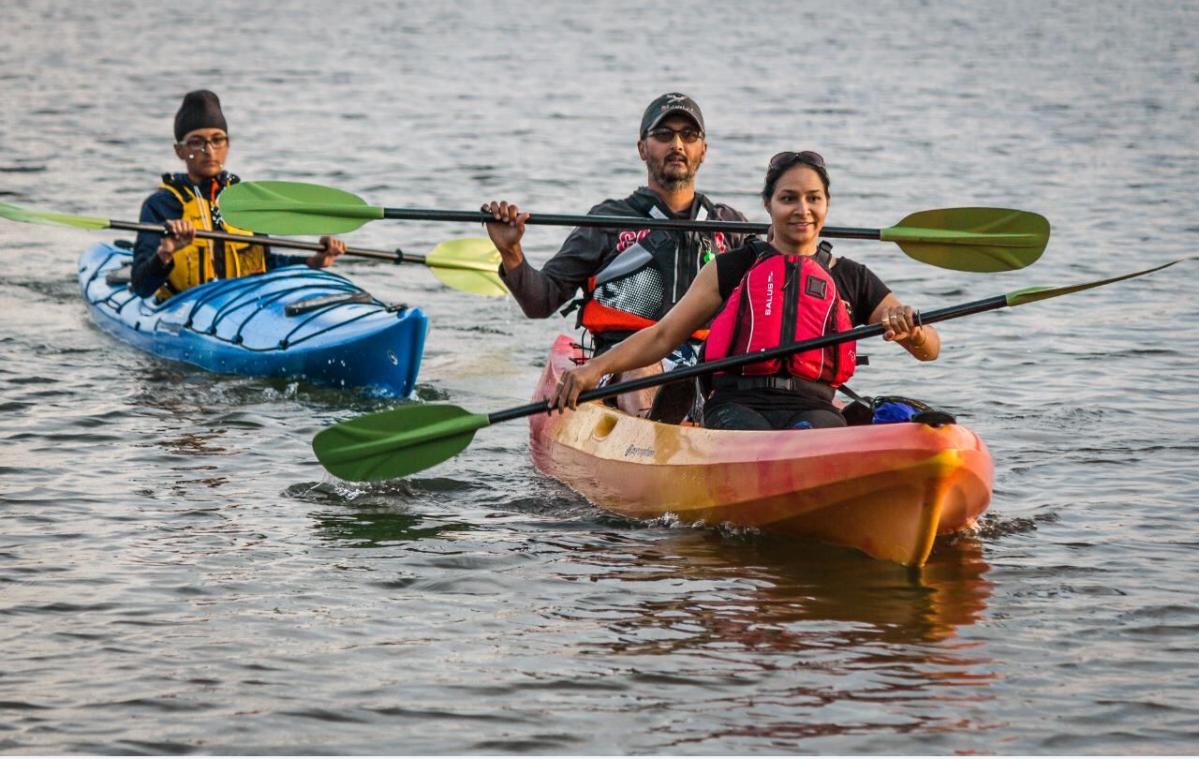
x=588, y=249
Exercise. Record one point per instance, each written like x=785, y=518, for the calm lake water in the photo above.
x=178, y=574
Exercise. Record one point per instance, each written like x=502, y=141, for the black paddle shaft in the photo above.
x=707, y=367
x=621, y=222
x=383, y=255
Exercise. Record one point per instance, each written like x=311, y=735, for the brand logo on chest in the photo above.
x=629, y=237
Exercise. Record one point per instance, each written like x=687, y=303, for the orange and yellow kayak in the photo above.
x=887, y=489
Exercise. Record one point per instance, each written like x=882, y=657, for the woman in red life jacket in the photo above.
x=768, y=294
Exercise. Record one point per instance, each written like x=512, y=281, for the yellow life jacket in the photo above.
x=194, y=263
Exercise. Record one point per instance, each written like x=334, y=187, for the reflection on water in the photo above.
x=782, y=585
x=480, y=608
x=821, y=640
x=194, y=444
x=379, y=527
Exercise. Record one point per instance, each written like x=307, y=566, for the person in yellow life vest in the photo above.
x=167, y=264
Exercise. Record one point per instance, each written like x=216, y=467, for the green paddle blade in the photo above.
x=972, y=239
x=470, y=264
x=16, y=213
x=295, y=208
x=1034, y=294
x=396, y=443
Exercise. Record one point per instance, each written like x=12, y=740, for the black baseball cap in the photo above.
x=667, y=105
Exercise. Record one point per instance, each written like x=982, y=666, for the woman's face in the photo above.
x=797, y=210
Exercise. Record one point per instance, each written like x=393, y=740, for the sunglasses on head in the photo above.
x=804, y=156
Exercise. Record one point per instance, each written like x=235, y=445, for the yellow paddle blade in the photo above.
x=469, y=264
x=33, y=216
x=972, y=239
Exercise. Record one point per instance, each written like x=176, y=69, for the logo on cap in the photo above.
x=667, y=103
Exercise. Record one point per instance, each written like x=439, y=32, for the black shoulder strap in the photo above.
x=707, y=204
x=761, y=249
x=824, y=254
x=645, y=204
x=640, y=203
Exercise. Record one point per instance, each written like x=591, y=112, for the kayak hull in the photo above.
x=887, y=490
x=241, y=326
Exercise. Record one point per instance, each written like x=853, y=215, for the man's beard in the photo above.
x=674, y=181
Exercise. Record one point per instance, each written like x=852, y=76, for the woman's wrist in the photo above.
x=597, y=367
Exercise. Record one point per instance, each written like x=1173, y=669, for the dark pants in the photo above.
x=734, y=416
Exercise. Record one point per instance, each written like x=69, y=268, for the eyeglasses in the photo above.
x=666, y=134
x=804, y=156
x=199, y=143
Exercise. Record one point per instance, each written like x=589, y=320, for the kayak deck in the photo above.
x=293, y=322
x=887, y=490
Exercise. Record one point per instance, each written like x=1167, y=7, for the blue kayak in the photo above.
x=293, y=322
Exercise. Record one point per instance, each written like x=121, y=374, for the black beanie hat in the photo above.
x=201, y=109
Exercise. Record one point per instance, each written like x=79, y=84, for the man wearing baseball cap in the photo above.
x=168, y=264
x=630, y=278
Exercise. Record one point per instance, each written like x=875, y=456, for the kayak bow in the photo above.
x=887, y=490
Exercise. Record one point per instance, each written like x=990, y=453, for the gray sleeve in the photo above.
x=542, y=292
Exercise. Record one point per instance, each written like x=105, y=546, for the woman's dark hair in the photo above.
x=781, y=162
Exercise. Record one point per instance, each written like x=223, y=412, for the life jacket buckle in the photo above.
x=571, y=307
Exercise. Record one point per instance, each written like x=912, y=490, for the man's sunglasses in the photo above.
x=665, y=134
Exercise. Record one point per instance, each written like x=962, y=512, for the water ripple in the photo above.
x=180, y=576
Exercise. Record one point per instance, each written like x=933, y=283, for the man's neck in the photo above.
x=199, y=181
x=679, y=201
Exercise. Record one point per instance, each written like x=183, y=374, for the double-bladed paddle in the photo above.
x=408, y=439
x=963, y=239
x=469, y=264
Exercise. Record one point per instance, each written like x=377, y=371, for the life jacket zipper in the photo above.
x=205, y=210
x=792, y=292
